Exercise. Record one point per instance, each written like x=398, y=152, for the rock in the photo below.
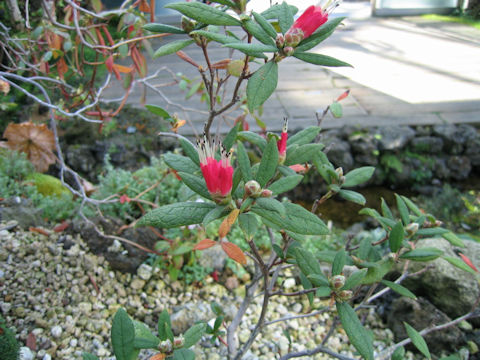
x=364, y=148
x=455, y=137
x=25, y=353
x=427, y=144
x=47, y=357
x=338, y=152
x=188, y=314
x=232, y=283
x=459, y=166
x=137, y=284
x=24, y=213
x=394, y=137
x=56, y=331
x=450, y=289
x=213, y=257
x=289, y=283
x=421, y=314
x=144, y=272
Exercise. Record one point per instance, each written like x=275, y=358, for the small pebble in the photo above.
x=56, y=331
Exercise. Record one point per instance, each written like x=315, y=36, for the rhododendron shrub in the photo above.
x=242, y=178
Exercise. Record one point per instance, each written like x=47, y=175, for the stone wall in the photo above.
x=412, y=157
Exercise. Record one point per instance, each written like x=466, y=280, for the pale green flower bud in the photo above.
x=253, y=189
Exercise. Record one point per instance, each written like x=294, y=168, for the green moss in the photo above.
x=455, y=19
x=9, y=347
x=47, y=185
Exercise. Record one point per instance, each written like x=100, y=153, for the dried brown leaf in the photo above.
x=234, y=252
x=37, y=141
x=227, y=223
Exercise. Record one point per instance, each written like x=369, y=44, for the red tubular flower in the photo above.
x=314, y=17
x=218, y=174
x=282, y=143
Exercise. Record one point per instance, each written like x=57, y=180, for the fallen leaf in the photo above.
x=31, y=342
x=39, y=230
x=61, y=227
x=37, y=141
x=4, y=87
x=234, y=252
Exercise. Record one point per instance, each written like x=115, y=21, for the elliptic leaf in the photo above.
x=123, y=336
x=304, y=136
x=258, y=33
x=162, y=28
x=355, y=331
x=249, y=224
x=321, y=34
x=194, y=334
x=253, y=138
x=285, y=17
x=144, y=339
x=244, y=162
x=195, y=183
x=261, y=85
x=266, y=26
x=268, y=164
x=417, y=340
x=190, y=151
x=285, y=184
x=221, y=38
x=172, y=47
x=180, y=163
x=352, y=196
x=399, y=289
x=319, y=59
x=395, y=238
x=339, y=262
x=358, y=176
x=402, y=209
x=422, y=254
x=204, y=13
x=177, y=214
x=336, y=109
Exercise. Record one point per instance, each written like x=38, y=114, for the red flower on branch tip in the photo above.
x=218, y=174
x=314, y=17
x=282, y=143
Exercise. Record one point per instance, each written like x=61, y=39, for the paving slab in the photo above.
x=406, y=71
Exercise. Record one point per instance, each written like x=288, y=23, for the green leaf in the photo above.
x=182, y=249
x=266, y=26
x=459, y=264
x=253, y=138
x=144, y=339
x=304, y=136
x=399, y=289
x=399, y=353
x=417, y=340
x=194, y=334
x=274, y=11
x=88, y=356
x=339, y=262
x=177, y=214
x=402, y=209
x=157, y=110
x=396, y=236
x=164, y=326
x=217, y=308
x=432, y=231
x=378, y=271
x=285, y=184
x=319, y=59
x=172, y=47
x=302, y=154
x=271, y=205
x=252, y=49
x=422, y=254
x=123, y=336
x=285, y=17
x=190, y=151
x=195, y=183
x=163, y=29
x=356, y=333
x=231, y=137
x=261, y=85
x=182, y=354
x=249, y=225
x=297, y=220
x=278, y=250
x=268, y=164
x=258, y=33
x=244, y=162
x=225, y=2
x=358, y=176
x=354, y=279
x=352, y=196
x=180, y=163
x=307, y=263
x=307, y=285
x=411, y=205
x=237, y=177
x=453, y=239
x=336, y=109
x=323, y=291
x=386, y=212
x=215, y=213
x=221, y=38
x=204, y=13
x=323, y=33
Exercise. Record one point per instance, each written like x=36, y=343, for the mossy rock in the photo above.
x=9, y=347
x=47, y=185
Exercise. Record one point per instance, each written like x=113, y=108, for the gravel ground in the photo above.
x=48, y=291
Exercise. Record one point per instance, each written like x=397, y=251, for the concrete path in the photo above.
x=407, y=71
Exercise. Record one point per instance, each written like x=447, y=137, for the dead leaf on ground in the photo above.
x=37, y=141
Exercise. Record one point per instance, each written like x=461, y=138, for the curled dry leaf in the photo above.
x=37, y=141
x=227, y=223
x=204, y=244
x=234, y=252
